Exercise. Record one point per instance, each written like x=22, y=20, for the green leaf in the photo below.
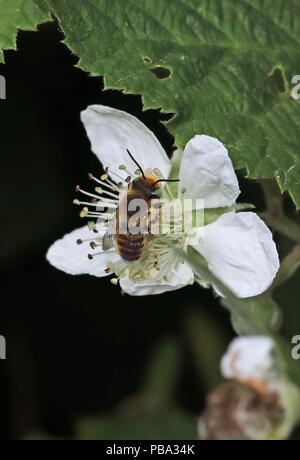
x=161, y=375
x=223, y=67
x=18, y=14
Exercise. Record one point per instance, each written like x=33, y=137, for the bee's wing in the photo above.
x=108, y=241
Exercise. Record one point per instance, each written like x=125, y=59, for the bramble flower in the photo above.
x=237, y=246
x=258, y=402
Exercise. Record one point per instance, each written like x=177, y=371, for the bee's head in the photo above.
x=148, y=186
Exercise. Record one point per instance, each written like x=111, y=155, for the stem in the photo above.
x=288, y=267
x=274, y=216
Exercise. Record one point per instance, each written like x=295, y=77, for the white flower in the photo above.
x=253, y=362
x=238, y=247
x=250, y=359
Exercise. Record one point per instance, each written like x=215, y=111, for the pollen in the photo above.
x=157, y=172
x=84, y=212
x=115, y=281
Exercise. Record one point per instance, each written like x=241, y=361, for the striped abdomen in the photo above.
x=130, y=246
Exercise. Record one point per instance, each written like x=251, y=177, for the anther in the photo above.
x=84, y=212
x=104, y=177
x=114, y=281
x=99, y=190
x=183, y=190
x=77, y=188
x=122, y=167
x=90, y=256
x=77, y=202
x=128, y=179
x=157, y=172
x=93, y=245
x=90, y=176
x=79, y=241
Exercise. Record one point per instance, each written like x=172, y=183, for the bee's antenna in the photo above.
x=136, y=163
x=166, y=180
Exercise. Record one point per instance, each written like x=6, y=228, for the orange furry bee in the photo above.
x=130, y=244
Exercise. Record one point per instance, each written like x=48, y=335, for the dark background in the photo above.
x=75, y=346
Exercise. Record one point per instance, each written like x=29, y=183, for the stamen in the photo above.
x=96, y=215
x=96, y=203
x=105, y=192
x=114, y=281
x=157, y=172
x=84, y=212
x=110, y=265
x=92, y=195
x=117, y=175
x=124, y=168
x=104, y=181
x=80, y=241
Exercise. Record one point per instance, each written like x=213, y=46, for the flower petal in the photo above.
x=111, y=132
x=249, y=358
x=240, y=251
x=66, y=255
x=207, y=173
x=178, y=277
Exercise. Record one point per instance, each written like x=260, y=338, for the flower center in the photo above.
x=158, y=258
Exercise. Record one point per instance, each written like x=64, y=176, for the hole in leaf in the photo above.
x=278, y=78
x=147, y=60
x=161, y=72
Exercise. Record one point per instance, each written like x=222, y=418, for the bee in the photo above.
x=130, y=245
